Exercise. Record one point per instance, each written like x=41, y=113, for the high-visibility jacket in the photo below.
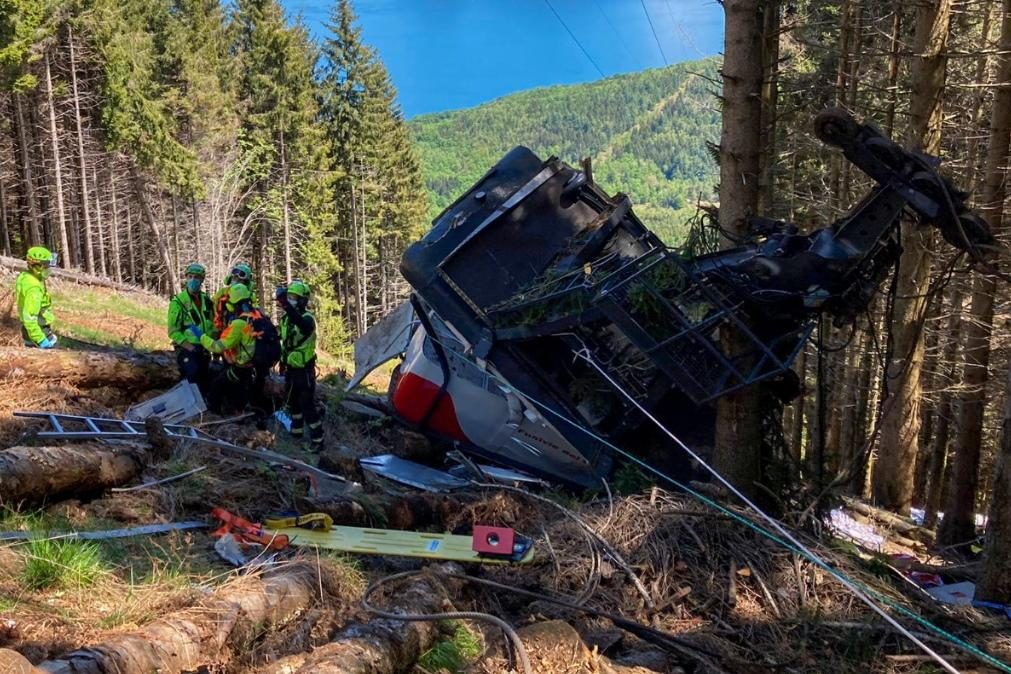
x=237, y=344
x=35, y=307
x=298, y=337
x=184, y=311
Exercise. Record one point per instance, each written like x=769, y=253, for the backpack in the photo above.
x=268, y=341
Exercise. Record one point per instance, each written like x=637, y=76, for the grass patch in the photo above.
x=453, y=653
x=92, y=301
x=61, y=563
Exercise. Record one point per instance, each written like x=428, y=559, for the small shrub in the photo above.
x=454, y=653
x=60, y=563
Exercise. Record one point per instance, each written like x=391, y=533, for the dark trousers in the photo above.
x=300, y=397
x=194, y=366
x=231, y=390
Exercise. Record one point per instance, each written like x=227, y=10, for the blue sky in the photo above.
x=448, y=54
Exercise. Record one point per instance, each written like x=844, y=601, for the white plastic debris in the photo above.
x=841, y=524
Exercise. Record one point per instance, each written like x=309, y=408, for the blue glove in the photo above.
x=48, y=343
x=195, y=331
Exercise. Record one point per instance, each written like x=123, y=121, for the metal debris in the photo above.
x=412, y=474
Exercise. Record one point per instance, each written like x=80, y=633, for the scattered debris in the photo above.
x=412, y=474
x=146, y=530
x=112, y=429
x=229, y=548
x=180, y=403
x=171, y=478
x=385, y=340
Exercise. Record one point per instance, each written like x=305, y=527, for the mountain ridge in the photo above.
x=646, y=133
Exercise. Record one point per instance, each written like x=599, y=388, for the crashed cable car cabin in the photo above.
x=547, y=314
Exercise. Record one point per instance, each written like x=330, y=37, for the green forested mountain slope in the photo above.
x=646, y=133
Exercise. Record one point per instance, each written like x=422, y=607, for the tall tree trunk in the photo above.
x=959, y=515
x=99, y=225
x=738, y=443
x=770, y=100
x=942, y=426
x=995, y=583
x=117, y=266
x=89, y=251
x=140, y=190
x=130, y=247
x=893, y=474
x=61, y=216
x=28, y=176
x=5, y=233
x=284, y=211
x=893, y=69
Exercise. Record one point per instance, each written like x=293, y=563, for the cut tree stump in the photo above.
x=379, y=646
x=30, y=475
x=90, y=369
x=202, y=637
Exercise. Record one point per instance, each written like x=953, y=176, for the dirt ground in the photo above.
x=736, y=601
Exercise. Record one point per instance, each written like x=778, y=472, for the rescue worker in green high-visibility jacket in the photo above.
x=192, y=308
x=35, y=307
x=298, y=362
x=231, y=389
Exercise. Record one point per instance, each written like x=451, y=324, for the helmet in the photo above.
x=195, y=269
x=39, y=255
x=238, y=293
x=299, y=289
x=243, y=272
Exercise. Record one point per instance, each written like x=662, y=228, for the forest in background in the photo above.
x=139, y=135
x=648, y=134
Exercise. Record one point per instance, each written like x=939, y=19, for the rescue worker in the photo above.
x=298, y=362
x=35, y=307
x=232, y=388
x=192, y=308
x=241, y=273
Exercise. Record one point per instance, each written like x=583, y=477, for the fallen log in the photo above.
x=555, y=646
x=900, y=524
x=30, y=475
x=78, y=277
x=90, y=369
x=12, y=662
x=204, y=636
x=379, y=646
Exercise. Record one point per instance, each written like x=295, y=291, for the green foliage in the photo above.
x=454, y=653
x=630, y=479
x=135, y=113
x=60, y=563
x=21, y=26
x=646, y=133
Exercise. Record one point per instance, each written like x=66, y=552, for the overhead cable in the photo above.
x=574, y=38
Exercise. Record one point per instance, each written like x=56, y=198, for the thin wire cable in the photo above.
x=652, y=28
x=614, y=29
x=574, y=38
x=788, y=541
x=585, y=355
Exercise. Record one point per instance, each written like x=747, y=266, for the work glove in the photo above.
x=195, y=331
x=48, y=343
